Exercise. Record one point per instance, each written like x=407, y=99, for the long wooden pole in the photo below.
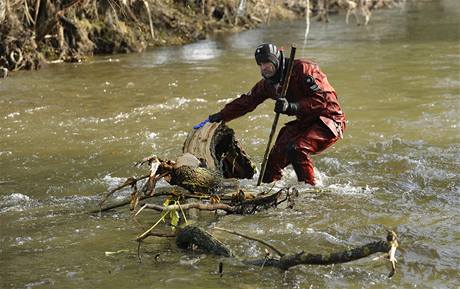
x=286, y=80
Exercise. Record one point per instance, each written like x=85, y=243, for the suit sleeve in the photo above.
x=247, y=102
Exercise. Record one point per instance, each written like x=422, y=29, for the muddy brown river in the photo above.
x=70, y=132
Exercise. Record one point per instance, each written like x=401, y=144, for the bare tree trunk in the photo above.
x=3, y=10
x=7, y=8
x=307, y=22
x=269, y=12
x=323, y=10
x=150, y=19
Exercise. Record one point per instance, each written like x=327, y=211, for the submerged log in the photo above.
x=301, y=258
x=191, y=236
x=387, y=246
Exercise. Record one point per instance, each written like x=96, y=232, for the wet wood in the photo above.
x=211, y=163
x=345, y=256
x=215, y=144
x=387, y=246
x=191, y=236
x=198, y=205
x=197, y=180
x=231, y=204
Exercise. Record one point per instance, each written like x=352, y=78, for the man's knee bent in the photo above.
x=301, y=162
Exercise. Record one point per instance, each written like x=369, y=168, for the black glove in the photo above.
x=215, y=117
x=285, y=107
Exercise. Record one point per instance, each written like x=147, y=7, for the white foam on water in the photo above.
x=251, y=249
x=32, y=110
x=289, y=179
x=225, y=100
x=16, y=197
x=16, y=202
x=180, y=135
x=351, y=190
x=151, y=135
x=171, y=104
x=291, y=228
x=12, y=115
x=19, y=241
x=113, y=182
x=6, y=153
x=121, y=117
x=328, y=236
x=73, y=200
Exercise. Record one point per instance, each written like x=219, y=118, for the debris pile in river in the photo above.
x=210, y=165
x=210, y=153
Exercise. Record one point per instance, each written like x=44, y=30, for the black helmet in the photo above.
x=268, y=52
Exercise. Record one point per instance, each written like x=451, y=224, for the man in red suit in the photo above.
x=319, y=120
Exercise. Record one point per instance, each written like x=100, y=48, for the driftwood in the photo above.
x=231, y=204
x=191, y=237
x=210, y=165
x=287, y=261
x=216, y=145
x=200, y=206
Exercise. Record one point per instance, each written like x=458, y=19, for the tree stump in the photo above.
x=216, y=146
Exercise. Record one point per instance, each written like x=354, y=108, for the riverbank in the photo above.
x=36, y=32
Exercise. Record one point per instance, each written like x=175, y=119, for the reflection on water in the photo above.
x=70, y=132
x=188, y=54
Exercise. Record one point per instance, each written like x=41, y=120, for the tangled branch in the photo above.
x=192, y=236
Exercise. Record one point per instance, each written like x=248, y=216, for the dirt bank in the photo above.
x=36, y=32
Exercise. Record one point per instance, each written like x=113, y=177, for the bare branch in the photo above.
x=288, y=261
x=200, y=206
x=129, y=181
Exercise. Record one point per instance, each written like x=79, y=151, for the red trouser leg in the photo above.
x=277, y=160
x=294, y=146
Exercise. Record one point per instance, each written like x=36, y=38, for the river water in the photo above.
x=70, y=132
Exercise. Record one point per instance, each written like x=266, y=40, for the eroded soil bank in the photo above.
x=35, y=32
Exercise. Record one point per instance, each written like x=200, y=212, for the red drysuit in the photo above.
x=319, y=120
